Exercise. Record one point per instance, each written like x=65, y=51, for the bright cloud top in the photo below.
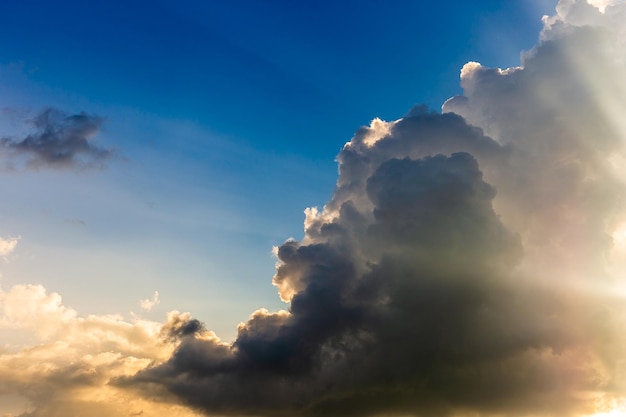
x=464, y=266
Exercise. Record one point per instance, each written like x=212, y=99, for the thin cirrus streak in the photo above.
x=467, y=264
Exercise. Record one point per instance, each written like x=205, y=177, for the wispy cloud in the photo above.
x=148, y=304
x=58, y=141
x=8, y=245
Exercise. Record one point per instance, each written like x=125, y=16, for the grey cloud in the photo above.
x=58, y=141
x=179, y=326
x=75, y=222
x=444, y=276
x=431, y=313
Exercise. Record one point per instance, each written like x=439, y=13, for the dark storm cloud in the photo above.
x=58, y=141
x=404, y=313
x=443, y=277
x=180, y=326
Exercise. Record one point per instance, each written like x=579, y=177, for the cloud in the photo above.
x=148, y=304
x=462, y=266
x=66, y=366
x=58, y=141
x=467, y=264
x=603, y=4
x=75, y=222
x=8, y=245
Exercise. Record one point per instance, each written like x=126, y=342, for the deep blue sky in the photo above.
x=226, y=117
x=297, y=77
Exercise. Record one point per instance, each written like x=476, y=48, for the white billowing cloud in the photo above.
x=148, y=304
x=7, y=245
x=560, y=118
x=69, y=367
x=377, y=130
x=602, y=4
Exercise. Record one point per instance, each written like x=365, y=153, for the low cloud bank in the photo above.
x=62, y=363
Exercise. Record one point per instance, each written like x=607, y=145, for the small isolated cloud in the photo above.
x=147, y=304
x=7, y=246
x=76, y=222
x=57, y=141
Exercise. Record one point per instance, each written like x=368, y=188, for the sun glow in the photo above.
x=612, y=413
x=617, y=256
x=619, y=237
x=613, y=409
x=602, y=4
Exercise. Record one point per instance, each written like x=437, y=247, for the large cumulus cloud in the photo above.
x=461, y=266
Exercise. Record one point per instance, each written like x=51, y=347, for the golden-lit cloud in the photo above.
x=602, y=4
x=63, y=363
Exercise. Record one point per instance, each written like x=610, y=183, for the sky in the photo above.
x=312, y=208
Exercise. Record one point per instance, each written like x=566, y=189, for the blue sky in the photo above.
x=226, y=117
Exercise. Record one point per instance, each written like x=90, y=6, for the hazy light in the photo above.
x=602, y=4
